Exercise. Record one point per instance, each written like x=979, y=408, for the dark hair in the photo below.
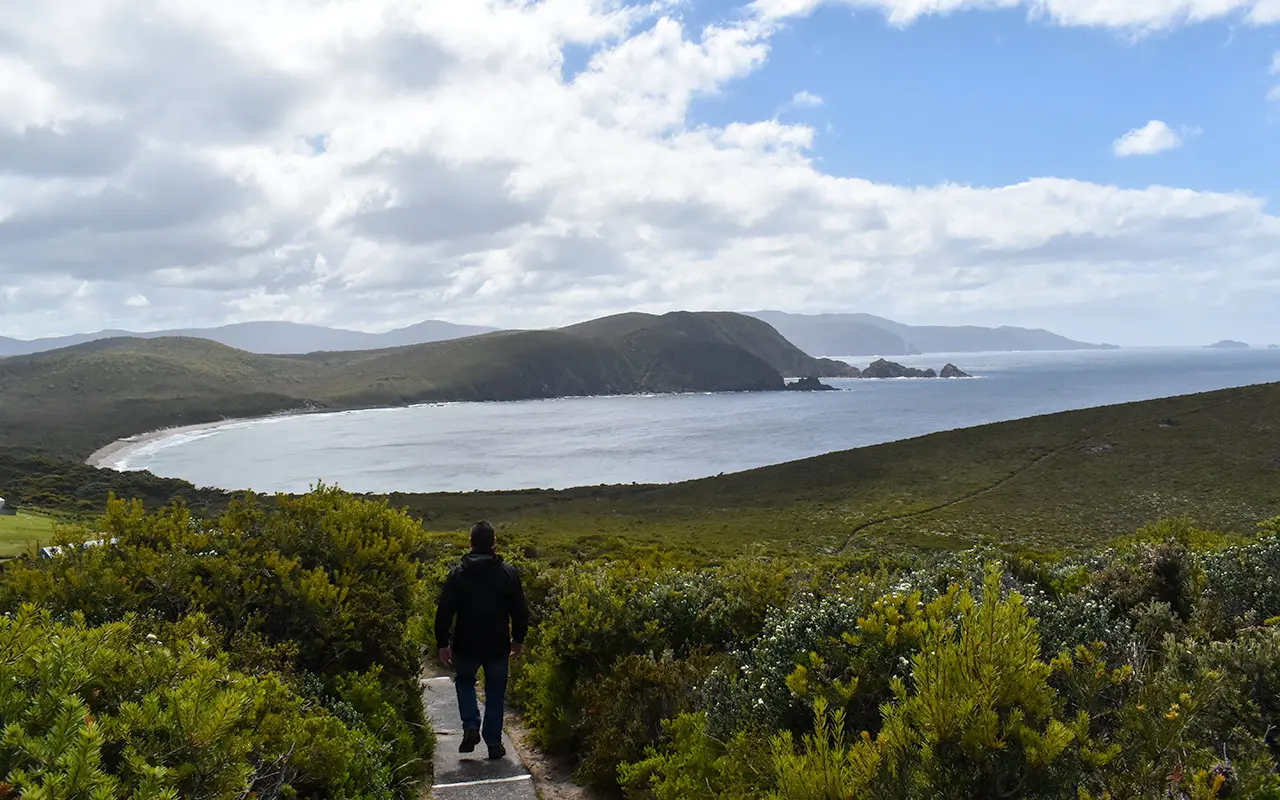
x=482, y=537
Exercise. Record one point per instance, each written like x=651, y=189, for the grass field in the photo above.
x=17, y=533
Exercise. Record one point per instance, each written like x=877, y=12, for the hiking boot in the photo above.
x=496, y=751
x=470, y=738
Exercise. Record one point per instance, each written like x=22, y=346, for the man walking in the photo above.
x=485, y=594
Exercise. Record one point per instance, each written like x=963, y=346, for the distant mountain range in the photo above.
x=815, y=334
x=267, y=338
x=869, y=335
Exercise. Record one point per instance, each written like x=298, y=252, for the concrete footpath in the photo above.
x=470, y=776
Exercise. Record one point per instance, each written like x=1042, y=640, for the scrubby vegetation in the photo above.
x=1122, y=673
x=71, y=488
x=271, y=652
x=1147, y=669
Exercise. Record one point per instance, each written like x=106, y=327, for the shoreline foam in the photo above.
x=106, y=457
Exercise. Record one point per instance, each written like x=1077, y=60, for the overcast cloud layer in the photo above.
x=377, y=162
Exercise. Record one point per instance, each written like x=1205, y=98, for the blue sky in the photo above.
x=992, y=98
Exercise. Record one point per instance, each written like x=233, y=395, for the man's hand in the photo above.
x=517, y=649
x=446, y=655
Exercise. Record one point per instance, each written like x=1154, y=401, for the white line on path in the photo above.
x=481, y=783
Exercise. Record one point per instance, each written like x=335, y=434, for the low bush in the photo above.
x=1149, y=669
x=107, y=711
x=962, y=675
x=314, y=598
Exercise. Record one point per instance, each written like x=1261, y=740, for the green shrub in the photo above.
x=591, y=617
x=693, y=765
x=1245, y=589
x=623, y=711
x=1163, y=572
x=108, y=712
x=827, y=766
x=319, y=592
x=954, y=697
x=759, y=692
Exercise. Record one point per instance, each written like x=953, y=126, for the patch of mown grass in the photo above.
x=18, y=533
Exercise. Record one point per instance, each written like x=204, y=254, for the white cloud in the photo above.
x=804, y=99
x=1130, y=14
x=137, y=301
x=462, y=177
x=799, y=101
x=1154, y=137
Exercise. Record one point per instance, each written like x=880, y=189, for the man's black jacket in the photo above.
x=484, y=593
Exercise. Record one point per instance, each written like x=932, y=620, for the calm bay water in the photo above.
x=663, y=438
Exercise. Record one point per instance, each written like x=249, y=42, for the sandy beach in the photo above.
x=105, y=457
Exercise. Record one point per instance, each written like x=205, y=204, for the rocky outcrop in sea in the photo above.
x=883, y=368
x=810, y=384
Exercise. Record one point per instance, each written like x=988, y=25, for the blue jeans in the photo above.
x=495, y=690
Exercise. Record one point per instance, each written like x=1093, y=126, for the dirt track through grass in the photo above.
x=853, y=534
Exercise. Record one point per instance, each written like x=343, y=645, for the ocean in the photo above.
x=665, y=438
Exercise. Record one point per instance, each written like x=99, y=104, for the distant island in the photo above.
x=882, y=369
x=810, y=385
x=869, y=335
x=1227, y=344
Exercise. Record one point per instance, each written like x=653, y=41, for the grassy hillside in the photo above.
x=1062, y=481
x=646, y=337
x=71, y=401
x=495, y=366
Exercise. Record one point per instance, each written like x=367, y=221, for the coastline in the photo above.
x=101, y=458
